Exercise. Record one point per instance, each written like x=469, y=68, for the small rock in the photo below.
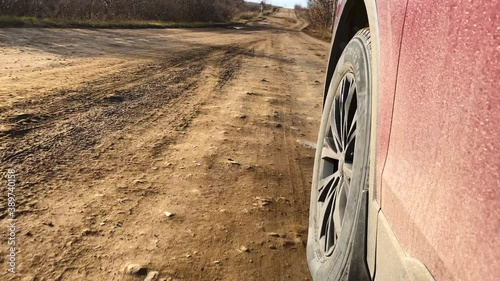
x=263, y=201
x=243, y=116
x=232, y=162
x=272, y=247
x=113, y=98
x=169, y=214
x=288, y=244
x=216, y=262
x=48, y=223
x=152, y=276
x=243, y=249
x=274, y=234
x=87, y=231
x=139, y=181
x=136, y=269
x=301, y=241
x=278, y=125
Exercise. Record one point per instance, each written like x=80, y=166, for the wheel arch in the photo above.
x=351, y=16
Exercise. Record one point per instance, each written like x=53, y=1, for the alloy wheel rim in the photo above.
x=336, y=164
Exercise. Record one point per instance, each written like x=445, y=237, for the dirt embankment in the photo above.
x=111, y=131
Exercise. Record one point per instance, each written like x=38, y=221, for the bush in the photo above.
x=321, y=13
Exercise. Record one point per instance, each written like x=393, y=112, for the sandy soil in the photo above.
x=110, y=129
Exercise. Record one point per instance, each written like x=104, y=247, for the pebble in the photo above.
x=136, y=269
x=113, y=98
x=87, y=231
x=288, y=244
x=48, y=223
x=231, y=161
x=152, y=276
x=243, y=249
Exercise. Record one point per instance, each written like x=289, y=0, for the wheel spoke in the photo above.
x=342, y=119
x=334, y=135
x=350, y=139
x=328, y=151
x=326, y=211
x=326, y=181
x=352, y=127
x=335, y=127
x=329, y=233
x=339, y=207
x=352, y=89
x=349, y=98
x=337, y=142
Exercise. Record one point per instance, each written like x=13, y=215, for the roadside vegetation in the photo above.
x=125, y=13
x=319, y=14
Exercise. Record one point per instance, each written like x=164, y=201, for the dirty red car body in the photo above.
x=438, y=131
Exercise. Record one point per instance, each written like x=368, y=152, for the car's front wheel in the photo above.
x=341, y=167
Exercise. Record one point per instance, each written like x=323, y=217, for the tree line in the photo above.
x=162, y=10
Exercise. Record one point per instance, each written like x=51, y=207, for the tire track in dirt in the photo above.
x=46, y=135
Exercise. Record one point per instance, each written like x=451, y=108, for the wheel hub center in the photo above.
x=341, y=165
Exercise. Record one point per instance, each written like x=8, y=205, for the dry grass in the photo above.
x=12, y=21
x=248, y=15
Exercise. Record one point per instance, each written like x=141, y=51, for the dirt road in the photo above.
x=110, y=131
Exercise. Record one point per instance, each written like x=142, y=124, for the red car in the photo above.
x=407, y=172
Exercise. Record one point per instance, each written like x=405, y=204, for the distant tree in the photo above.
x=299, y=7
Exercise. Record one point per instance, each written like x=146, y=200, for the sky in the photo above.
x=283, y=3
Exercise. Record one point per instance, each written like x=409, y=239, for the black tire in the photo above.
x=336, y=242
